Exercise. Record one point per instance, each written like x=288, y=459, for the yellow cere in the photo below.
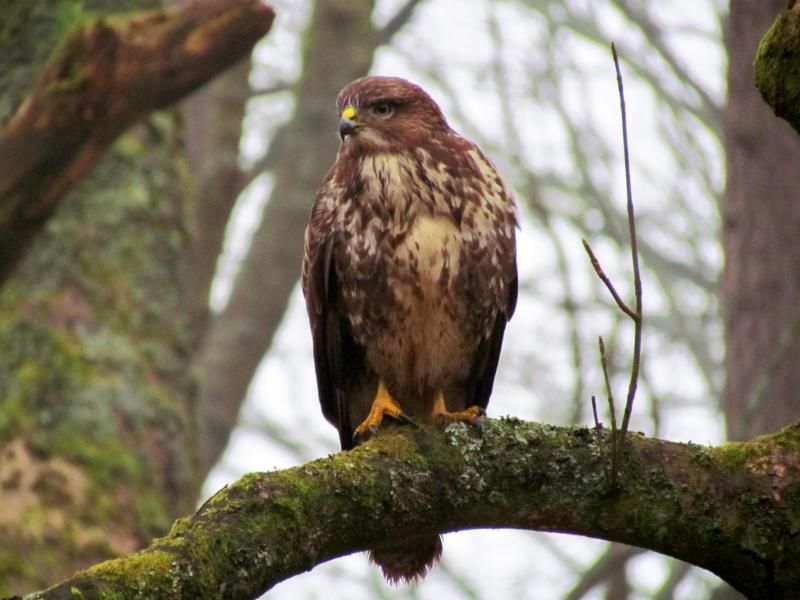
x=349, y=113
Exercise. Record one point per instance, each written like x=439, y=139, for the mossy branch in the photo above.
x=734, y=509
x=105, y=75
x=777, y=66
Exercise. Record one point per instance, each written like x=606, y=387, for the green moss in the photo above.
x=71, y=13
x=148, y=574
x=777, y=67
x=731, y=456
x=735, y=456
x=152, y=515
x=13, y=566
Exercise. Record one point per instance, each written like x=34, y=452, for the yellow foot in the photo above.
x=445, y=417
x=383, y=405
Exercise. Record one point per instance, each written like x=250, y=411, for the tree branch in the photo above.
x=397, y=22
x=734, y=509
x=107, y=74
x=777, y=66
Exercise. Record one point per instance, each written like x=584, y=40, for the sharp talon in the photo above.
x=471, y=414
x=382, y=406
x=405, y=418
x=479, y=421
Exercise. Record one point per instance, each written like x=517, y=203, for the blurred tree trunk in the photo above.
x=95, y=427
x=214, y=117
x=760, y=286
x=97, y=431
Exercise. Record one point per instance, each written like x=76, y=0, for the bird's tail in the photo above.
x=408, y=562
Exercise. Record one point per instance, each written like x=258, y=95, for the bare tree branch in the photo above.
x=677, y=573
x=638, y=320
x=610, y=562
x=731, y=509
x=396, y=23
x=108, y=74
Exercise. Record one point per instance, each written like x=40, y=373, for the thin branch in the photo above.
x=637, y=278
x=275, y=88
x=597, y=426
x=604, y=278
x=108, y=74
x=397, y=22
x=605, y=567
x=612, y=413
x=618, y=441
x=654, y=34
x=678, y=570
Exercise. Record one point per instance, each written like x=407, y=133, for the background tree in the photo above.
x=97, y=430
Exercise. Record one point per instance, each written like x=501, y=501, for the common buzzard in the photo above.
x=409, y=275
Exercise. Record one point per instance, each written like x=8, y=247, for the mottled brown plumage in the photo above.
x=409, y=275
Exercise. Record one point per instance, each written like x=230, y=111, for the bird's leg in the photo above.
x=445, y=417
x=382, y=406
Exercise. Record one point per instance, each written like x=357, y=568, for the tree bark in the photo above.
x=777, y=71
x=760, y=287
x=97, y=437
x=108, y=74
x=734, y=509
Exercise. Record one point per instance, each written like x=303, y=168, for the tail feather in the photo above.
x=409, y=562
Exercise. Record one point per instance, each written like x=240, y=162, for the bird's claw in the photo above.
x=472, y=415
x=368, y=429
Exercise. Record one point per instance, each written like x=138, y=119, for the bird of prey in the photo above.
x=409, y=276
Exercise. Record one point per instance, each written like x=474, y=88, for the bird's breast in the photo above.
x=428, y=256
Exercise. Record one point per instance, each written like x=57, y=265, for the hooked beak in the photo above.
x=347, y=123
x=346, y=127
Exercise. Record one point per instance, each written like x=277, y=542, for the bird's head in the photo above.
x=386, y=113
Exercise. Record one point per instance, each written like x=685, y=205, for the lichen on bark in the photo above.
x=733, y=510
x=777, y=66
x=93, y=367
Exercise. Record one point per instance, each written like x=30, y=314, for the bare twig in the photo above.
x=597, y=426
x=637, y=279
x=604, y=278
x=618, y=440
x=612, y=413
x=678, y=570
x=275, y=88
x=397, y=22
x=610, y=563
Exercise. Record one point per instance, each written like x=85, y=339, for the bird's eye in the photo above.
x=383, y=109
